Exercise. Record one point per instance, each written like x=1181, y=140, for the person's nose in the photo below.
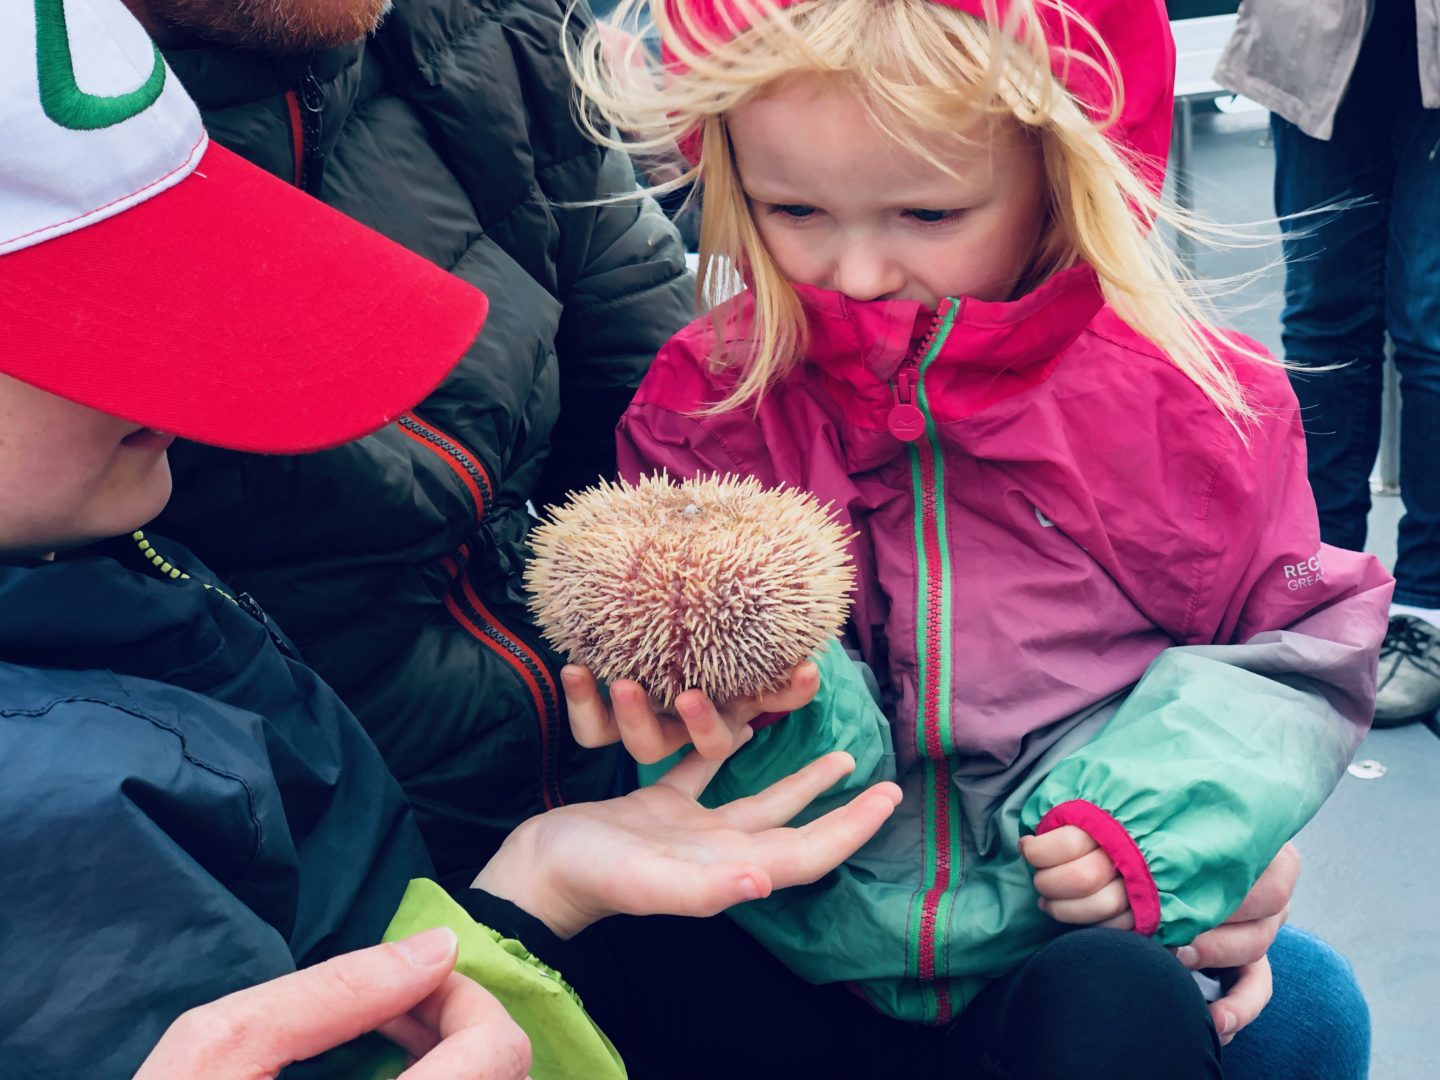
x=863, y=270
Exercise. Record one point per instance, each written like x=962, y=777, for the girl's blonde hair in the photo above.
x=922, y=70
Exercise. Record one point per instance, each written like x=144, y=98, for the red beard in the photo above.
x=273, y=25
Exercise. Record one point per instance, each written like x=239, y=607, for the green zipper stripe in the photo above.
x=932, y=436
x=933, y=901
x=922, y=600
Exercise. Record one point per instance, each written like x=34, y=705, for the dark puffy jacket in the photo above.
x=187, y=811
x=394, y=562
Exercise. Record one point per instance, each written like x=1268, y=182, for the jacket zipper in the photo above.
x=244, y=601
x=469, y=471
x=306, y=105
x=466, y=608
x=910, y=421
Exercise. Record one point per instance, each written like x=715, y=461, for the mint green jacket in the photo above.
x=1191, y=781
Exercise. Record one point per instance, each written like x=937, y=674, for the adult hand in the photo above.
x=407, y=990
x=1242, y=941
x=716, y=732
x=1077, y=882
x=658, y=851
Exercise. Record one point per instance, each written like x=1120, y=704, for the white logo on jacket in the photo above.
x=1302, y=575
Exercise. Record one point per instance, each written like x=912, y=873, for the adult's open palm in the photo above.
x=658, y=851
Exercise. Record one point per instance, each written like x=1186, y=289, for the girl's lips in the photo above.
x=148, y=439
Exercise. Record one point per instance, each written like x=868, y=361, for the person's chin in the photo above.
x=147, y=498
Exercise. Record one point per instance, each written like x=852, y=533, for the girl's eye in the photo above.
x=792, y=210
x=933, y=217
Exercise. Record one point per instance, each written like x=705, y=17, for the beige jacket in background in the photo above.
x=1295, y=57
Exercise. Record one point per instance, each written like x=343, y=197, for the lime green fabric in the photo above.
x=566, y=1044
x=1211, y=769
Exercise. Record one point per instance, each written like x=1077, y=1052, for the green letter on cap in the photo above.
x=61, y=97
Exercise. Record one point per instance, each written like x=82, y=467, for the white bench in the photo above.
x=1198, y=45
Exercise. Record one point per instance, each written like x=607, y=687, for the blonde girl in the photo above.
x=1096, y=639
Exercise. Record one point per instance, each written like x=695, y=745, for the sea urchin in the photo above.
x=717, y=583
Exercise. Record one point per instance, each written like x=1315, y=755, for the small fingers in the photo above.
x=590, y=718
x=1078, y=878
x=713, y=735
x=799, y=692
x=1062, y=845
x=648, y=738
x=1108, y=903
x=1124, y=921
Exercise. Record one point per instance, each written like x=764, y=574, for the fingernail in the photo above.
x=688, y=709
x=569, y=675
x=1187, y=956
x=1228, y=1024
x=430, y=948
x=749, y=888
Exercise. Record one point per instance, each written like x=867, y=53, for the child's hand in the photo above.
x=716, y=732
x=1076, y=880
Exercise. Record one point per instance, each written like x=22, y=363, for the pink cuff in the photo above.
x=1116, y=842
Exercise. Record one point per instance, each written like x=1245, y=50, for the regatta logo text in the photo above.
x=1302, y=575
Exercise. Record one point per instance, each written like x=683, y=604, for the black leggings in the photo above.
x=698, y=999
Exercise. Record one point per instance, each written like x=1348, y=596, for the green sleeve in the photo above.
x=566, y=1044
x=1196, y=783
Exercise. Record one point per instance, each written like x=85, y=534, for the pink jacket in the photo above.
x=1074, y=506
x=1087, y=600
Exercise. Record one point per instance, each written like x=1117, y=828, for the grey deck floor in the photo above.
x=1371, y=858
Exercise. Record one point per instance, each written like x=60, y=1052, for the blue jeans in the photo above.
x=1316, y=1027
x=1354, y=275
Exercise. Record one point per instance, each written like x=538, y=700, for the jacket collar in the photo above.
x=220, y=76
x=104, y=607
x=1017, y=338
x=990, y=352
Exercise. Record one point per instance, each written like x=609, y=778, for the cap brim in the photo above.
x=235, y=310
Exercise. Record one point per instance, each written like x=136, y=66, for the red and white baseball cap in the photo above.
x=150, y=274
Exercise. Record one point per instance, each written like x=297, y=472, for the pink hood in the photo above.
x=1137, y=33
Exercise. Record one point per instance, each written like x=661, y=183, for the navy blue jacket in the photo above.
x=186, y=808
